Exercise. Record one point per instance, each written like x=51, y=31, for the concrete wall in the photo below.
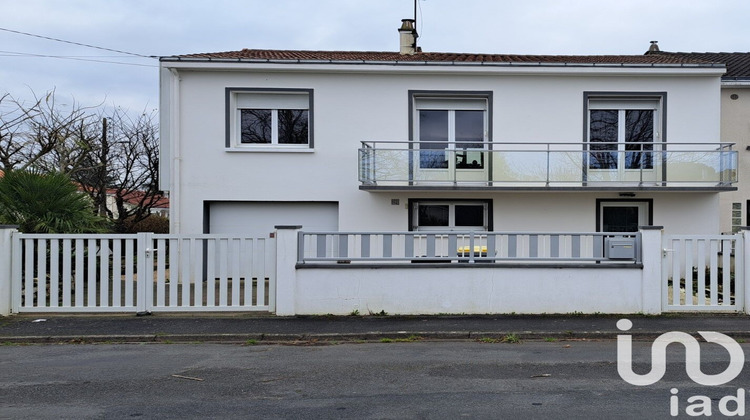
x=458, y=288
x=359, y=103
x=418, y=290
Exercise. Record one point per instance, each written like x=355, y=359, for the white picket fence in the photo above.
x=150, y=273
x=142, y=273
x=703, y=273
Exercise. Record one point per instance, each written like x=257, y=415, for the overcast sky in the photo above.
x=169, y=27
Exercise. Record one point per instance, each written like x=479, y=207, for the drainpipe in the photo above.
x=175, y=213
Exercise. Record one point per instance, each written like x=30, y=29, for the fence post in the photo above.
x=145, y=268
x=744, y=259
x=286, y=271
x=651, y=257
x=6, y=264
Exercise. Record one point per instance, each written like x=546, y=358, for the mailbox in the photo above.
x=619, y=248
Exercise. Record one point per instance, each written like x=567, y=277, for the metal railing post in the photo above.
x=471, y=247
x=548, y=152
x=300, y=247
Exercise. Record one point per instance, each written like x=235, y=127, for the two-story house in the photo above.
x=412, y=140
x=735, y=126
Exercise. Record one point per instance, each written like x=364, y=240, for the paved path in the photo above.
x=240, y=328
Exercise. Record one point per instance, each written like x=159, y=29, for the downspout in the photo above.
x=175, y=212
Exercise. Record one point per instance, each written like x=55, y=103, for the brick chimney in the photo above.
x=408, y=37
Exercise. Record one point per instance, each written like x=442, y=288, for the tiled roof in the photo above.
x=738, y=63
x=370, y=56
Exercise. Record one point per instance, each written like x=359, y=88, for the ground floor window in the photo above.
x=736, y=217
x=468, y=215
x=623, y=215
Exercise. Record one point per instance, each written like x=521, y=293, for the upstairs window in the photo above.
x=274, y=126
x=452, y=130
x=263, y=119
x=622, y=131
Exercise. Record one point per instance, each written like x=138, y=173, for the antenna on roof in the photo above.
x=415, y=14
x=408, y=34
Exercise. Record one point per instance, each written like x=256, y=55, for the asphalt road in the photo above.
x=545, y=380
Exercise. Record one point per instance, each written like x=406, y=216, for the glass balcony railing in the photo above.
x=419, y=164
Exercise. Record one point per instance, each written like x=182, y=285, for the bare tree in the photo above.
x=115, y=162
x=133, y=166
x=67, y=133
x=16, y=147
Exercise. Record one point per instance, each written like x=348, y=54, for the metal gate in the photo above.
x=702, y=273
x=142, y=272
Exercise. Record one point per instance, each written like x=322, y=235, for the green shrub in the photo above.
x=46, y=203
x=153, y=223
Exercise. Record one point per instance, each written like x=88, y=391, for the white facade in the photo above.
x=204, y=163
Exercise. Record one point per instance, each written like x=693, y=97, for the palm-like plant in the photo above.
x=46, y=203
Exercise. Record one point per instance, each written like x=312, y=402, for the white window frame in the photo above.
x=238, y=99
x=622, y=105
x=451, y=104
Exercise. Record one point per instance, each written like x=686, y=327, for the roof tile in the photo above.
x=738, y=63
x=373, y=56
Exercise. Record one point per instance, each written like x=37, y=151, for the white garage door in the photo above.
x=258, y=218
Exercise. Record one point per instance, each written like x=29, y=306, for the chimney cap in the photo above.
x=654, y=46
x=407, y=25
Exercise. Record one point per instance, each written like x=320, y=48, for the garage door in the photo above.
x=257, y=219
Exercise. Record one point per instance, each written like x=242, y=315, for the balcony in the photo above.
x=411, y=165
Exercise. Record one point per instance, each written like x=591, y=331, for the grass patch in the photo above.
x=354, y=312
x=511, y=338
x=408, y=339
x=386, y=340
x=550, y=339
x=251, y=342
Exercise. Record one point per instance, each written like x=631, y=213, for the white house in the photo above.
x=423, y=183
x=412, y=140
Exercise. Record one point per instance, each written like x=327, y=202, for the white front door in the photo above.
x=622, y=216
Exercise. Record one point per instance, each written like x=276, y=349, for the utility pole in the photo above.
x=102, y=178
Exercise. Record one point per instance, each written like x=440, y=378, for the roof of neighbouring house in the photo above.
x=738, y=63
x=365, y=57
x=136, y=197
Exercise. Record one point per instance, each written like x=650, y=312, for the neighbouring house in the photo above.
x=134, y=199
x=412, y=141
x=735, y=126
